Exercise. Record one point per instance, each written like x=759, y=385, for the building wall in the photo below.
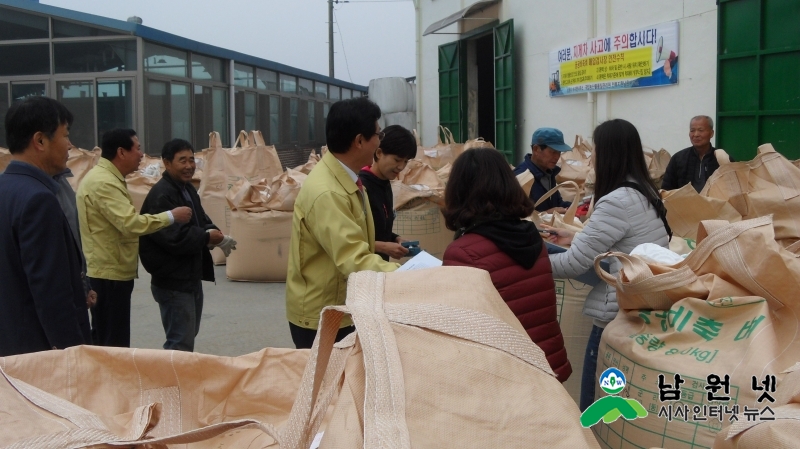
x=661, y=114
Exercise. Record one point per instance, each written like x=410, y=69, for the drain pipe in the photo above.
x=590, y=96
x=420, y=83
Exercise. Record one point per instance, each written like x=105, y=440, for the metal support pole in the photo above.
x=330, y=38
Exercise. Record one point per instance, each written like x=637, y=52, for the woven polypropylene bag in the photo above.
x=438, y=360
x=98, y=396
x=730, y=308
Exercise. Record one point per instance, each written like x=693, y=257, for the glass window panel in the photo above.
x=181, y=116
x=94, y=56
x=266, y=79
x=202, y=114
x=207, y=68
x=20, y=92
x=157, y=116
x=263, y=116
x=210, y=114
x=288, y=83
x=31, y=59
x=346, y=94
x=16, y=25
x=312, y=134
x=68, y=29
x=4, y=105
x=274, y=120
x=114, y=106
x=78, y=97
x=325, y=108
x=242, y=75
x=321, y=90
x=293, y=105
x=305, y=87
x=334, y=93
x=250, y=115
x=220, y=112
x=164, y=60
x=246, y=112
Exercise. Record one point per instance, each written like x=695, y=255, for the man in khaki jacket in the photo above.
x=333, y=234
x=110, y=230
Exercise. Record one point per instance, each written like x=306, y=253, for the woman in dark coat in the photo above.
x=485, y=206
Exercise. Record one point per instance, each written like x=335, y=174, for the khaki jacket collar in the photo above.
x=106, y=164
x=339, y=173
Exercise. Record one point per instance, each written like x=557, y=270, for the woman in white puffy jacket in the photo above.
x=628, y=212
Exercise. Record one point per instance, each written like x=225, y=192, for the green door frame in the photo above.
x=453, y=89
x=758, y=65
x=453, y=107
x=504, y=91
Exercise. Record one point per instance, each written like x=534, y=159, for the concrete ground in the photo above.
x=238, y=317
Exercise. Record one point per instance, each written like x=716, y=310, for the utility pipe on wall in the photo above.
x=590, y=96
x=419, y=81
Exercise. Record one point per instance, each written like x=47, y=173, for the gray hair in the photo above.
x=697, y=117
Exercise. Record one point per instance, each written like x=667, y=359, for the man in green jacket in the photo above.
x=333, y=234
x=110, y=230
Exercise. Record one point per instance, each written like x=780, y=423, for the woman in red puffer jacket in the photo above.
x=485, y=205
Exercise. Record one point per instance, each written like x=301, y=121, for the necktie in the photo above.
x=360, y=185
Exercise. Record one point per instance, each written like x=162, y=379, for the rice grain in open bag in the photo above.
x=730, y=308
x=437, y=360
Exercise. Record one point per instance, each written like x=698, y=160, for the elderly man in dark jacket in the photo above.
x=177, y=257
x=693, y=165
x=42, y=301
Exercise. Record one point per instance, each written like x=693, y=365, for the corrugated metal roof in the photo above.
x=164, y=38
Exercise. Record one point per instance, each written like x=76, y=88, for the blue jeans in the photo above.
x=180, y=315
x=589, y=379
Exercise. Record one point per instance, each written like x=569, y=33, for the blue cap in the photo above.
x=551, y=137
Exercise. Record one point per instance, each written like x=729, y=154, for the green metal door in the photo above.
x=504, y=105
x=452, y=89
x=758, y=92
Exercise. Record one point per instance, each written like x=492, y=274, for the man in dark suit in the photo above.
x=42, y=301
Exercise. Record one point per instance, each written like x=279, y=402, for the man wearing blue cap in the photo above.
x=547, y=144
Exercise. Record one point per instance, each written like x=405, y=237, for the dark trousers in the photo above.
x=111, y=316
x=180, y=315
x=589, y=378
x=304, y=338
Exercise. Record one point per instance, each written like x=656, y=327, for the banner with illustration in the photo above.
x=645, y=57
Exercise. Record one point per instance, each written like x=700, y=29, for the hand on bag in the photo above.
x=215, y=237
x=182, y=214
x=560, y=210
x=561, y=237
x=227, y=245
x=91, y=299
x=394, y=250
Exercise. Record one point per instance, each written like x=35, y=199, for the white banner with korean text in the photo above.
x=646, y=57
